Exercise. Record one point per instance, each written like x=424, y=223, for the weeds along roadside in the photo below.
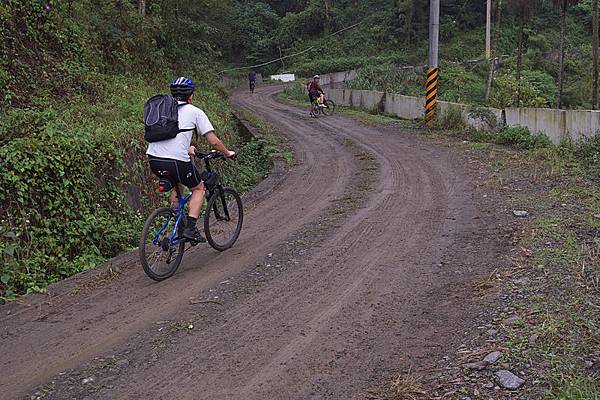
x=548, y=315
x=75, y=186
x=555, y=339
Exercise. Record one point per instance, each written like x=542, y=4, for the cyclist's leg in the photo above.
x=174, y=199
x=189, y=176
x=311, y=101
x=196, y=200
x=167, y=168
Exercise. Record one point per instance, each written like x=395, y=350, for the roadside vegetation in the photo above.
x=551, y=282
x=392, y=35
x=543, y=309
x=75, y=189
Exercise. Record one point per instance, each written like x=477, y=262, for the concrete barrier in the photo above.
x=338, y=77
x=339, y=97
x=368, y=99
x=472, y=119
x=549, y=121
x=581, y=125
x=558, y=125
x=407, y=107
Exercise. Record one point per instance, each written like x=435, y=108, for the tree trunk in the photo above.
x=520, y=62
x=327, y=15
x=495, y=51
x=409, y=21
x=594, y=54
x=561, y=60
x=142, y=7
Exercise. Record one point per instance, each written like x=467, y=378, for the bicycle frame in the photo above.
x=219, y=189
x=180, y=214
x=173, y=240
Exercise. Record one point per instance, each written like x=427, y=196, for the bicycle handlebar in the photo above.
x=212, y=155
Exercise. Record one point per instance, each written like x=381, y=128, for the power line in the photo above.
x=288, y=56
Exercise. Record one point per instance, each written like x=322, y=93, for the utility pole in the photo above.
x=495, y=50
x=595, y=55
x=488, y=31
x=432, y=70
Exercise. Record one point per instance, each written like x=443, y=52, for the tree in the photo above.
x=142, y=7
x=562, y=6
x=523, y=10
x=594, y=54
x=495, y=50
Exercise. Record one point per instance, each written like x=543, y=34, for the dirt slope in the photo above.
x=340, y=278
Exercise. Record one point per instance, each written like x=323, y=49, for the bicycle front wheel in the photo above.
x=329, y=107
x=223, y=219
x=315, y=109
x=159, y=256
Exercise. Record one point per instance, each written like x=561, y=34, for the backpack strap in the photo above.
x=181, y=105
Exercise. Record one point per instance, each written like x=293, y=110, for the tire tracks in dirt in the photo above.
x=352, y=290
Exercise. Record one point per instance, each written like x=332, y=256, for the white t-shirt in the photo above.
x=177, y=148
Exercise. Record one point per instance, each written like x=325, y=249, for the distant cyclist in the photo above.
x=315, y=92
x=173, y=155
x=252, y=80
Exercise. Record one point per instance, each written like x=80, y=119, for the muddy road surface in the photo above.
x=354, y=265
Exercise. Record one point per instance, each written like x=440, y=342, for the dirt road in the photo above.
x=353, y=265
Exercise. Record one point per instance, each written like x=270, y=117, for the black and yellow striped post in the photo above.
x=432, y=91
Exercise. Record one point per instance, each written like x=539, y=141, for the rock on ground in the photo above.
x=508, y=380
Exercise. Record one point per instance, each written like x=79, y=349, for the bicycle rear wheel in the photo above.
x=160, y=258
x=223, y=218
x=330, y=107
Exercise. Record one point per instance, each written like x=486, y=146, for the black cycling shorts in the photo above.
x=177, y=171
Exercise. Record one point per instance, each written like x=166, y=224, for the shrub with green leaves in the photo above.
x=389, y=78
x=459, y=84
x=520, y=137
x=295, y=91
x=75, y=183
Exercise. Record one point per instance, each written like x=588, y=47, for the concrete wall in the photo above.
x=338, y=77
x=558, y=125
x=546, y=120
x=406, y=107
x=368, y=99
x=581, y=125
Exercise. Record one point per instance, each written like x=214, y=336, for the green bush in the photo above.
x=543, y=85
x=452, y=119
x=389, y=78
x=75, y=184
x=295, y=91
x=589, y=152
x=520, y=137
x=485, y=116
x=505, y=92
x=461, y=85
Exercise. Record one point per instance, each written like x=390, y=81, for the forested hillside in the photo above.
x=395, y=33
x=74, y=78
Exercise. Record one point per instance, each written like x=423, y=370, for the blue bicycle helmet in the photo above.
x=182, y=87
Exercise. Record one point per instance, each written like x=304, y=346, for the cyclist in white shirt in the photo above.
x=173, y=155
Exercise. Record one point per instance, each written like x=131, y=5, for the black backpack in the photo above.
x=161, y=119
